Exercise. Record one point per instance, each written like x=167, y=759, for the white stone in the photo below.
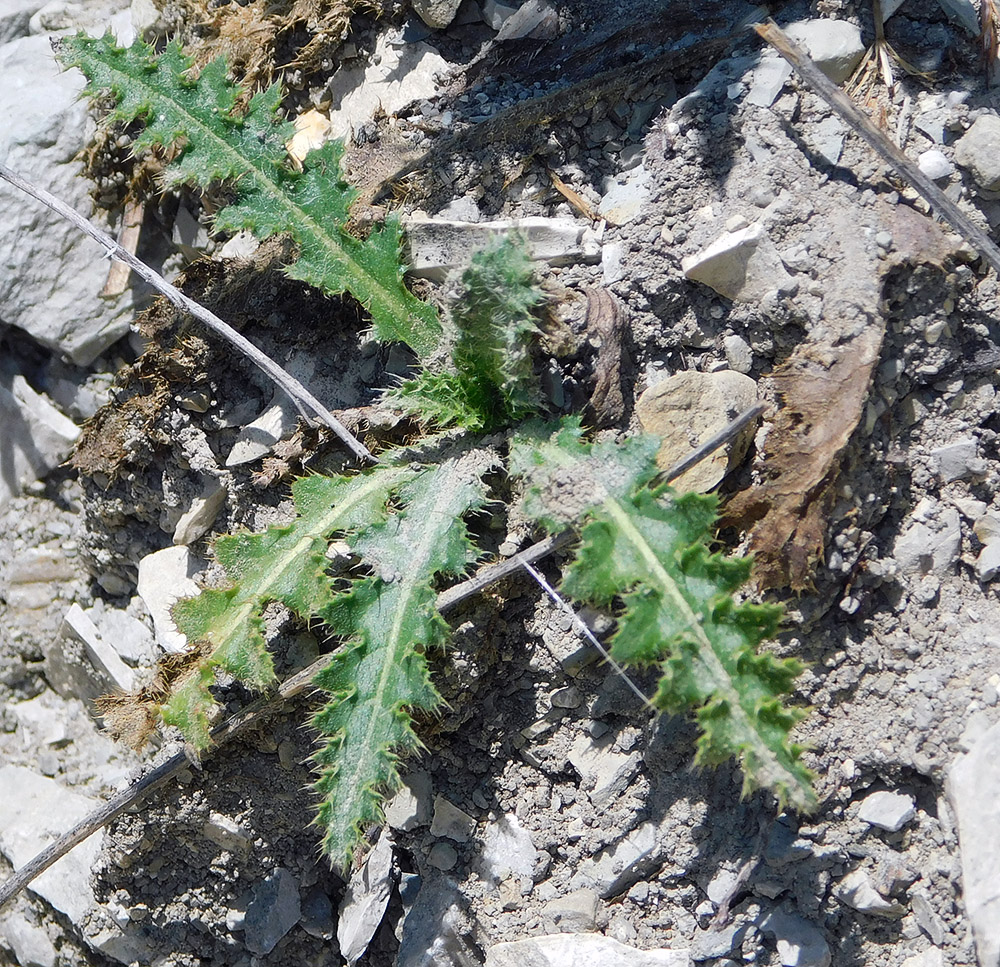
x=393, y=77
x=366, y=899
x=988, y=562
x=625, y=200
x=164, y=578
x=973, y=789
x=887, y=810
x=41, y=720
x=978, y=150
x=35, y=811
x=741, y=266
x=255, y=440
x=799, y=942
x=931, y=957
x=574, y=950
x=574, y=913
x=932, y=541
x=827, y=139
x=507, y=849
x=451, y=821
x=533, y=18
x=227, y=833
x=834, y=45
x=688, y=408
x=856, y=891
x=410, y=807
x=77, y=625
x=437, y=14
x=606, y=774
x=14, y=18
x=615, y=868
x=30, y=943
x=953, y=460
x=36, y=436
x=935, y=164
x=131, y=639
x=768, y=79
x=52, y=274
x=199, y=517
x=437, y=246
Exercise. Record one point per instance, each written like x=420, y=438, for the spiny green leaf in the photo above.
x=490, y=381
x=679, y=613
x=247, y=151
x=286, y=564
x=391, y=620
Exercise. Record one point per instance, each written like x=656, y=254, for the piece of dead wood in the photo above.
x=128, y=239
x=822, y=389
x=573, y=197
x=607, y=326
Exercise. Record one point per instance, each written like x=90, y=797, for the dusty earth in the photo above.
x=578, y=811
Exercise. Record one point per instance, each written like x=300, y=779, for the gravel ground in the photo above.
x=548, y=800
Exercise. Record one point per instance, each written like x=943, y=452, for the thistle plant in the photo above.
x=643, y=553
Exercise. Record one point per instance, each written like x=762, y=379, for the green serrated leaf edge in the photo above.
x=381, y=675
x=758, y=734
x=311, y=206
x=285, y=563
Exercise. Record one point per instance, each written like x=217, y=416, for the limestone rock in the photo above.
x=36, y=436
x=436, y=246
x=30, y=943
x=165, y=577
x=604, y=772
x=15, y=16
x=686, y=409
x=272, y=912
x=451, y=821
x=616, y=867
x=978, y=150
x=52, y=275
x=106, y=660
x=856, y=891
x=887, y=810
x=507, y=850
x=799, y=943
x=395, y=75
x=366, y=899
x=743, y=265
x=625, y=199
x=834, y=45
x=199, y=517
x=574, y=913
x=436, y=13
x=973, y=788
x=34, y=811
x=573, y=949
x=411, y=806
x=932, y=541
